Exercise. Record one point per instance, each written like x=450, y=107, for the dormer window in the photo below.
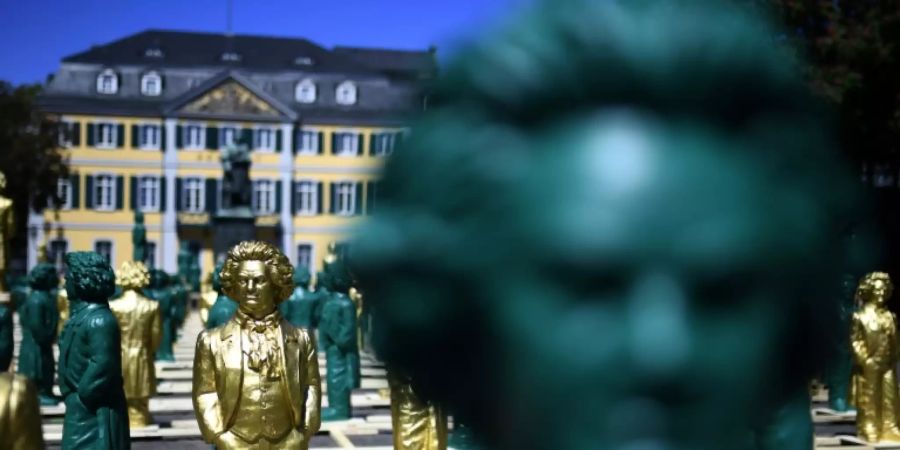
x=303, y=61
x=153, y=52
x=305, y=92
x=346, y=93
x=151, y=84
x=107, y=82
x=231, y=57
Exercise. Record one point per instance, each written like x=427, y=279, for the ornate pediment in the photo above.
x=230, y=98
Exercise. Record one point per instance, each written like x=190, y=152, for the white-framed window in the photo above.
x=346, y=144
x=263, y=200
x=307, y=198
x=346, y=199
x=107, y=82
x=148, y=193
x=64, y=191
x=194, y=136
x=305, y=256
x=264, y=139
x=345, y=94
x=305, y=91
x=104, y=192
x=151, y=84
x=150, y=255
x=105, y=249
x=149, y=137
x=193, y=195
x=308, y=143
x=66, y=130
x=56, y=253
x=228, y=136
x=384, y=143
x=107, y=135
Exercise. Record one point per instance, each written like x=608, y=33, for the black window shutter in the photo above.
x=247, y=137
x=75, y=133
x=298, y=133
x=75, y=181
x=212, y=138
x=178, y=194
x=370, y=197
x=278, y=192
x=334, y=140
x=134, y=191
x=179, y=137
x=162, y=138
x=120, y=192
x=373, y=143
x=211, y=191
x=162, y=193
x=359, y=200
x=318, y=205
x=89, y=192
x=293, y=195
x=135, y=135
x=333, y=197
x=90, y=134
x=320, y=143
x=278, y=140
x=120, y=136
x=359, y=145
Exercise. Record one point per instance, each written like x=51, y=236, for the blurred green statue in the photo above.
x=139, y=238
x=189, y=266
x=38, y=317
x=90, y=359
x=618, y=225
x=301, y=307
x=6, y=334
x=179, y=289
x=160, y=290
x=337, y=333
x=224, y=308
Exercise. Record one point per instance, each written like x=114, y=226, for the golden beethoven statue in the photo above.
x=417, y=424
x=7, y=225
x=875, y=355
x=257, y=360
x=20, y=416
x=141, y=324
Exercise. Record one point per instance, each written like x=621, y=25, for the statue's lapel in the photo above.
x=231, y=368
x=292, y=362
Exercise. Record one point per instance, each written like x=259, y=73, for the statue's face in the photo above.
x=254, y=289
x=641, y=300
x=879, y=290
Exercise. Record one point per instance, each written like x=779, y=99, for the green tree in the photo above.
x=29, y=155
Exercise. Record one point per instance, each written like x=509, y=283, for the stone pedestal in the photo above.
x=231, y=226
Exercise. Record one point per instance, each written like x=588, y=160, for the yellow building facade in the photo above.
x=145, y=133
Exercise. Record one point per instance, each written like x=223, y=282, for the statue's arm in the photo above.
x=206, y=399
x=49, y=319
x=346, y=334
x=104, y=361
x=313, y=406
x=155, y=328
x=857, y=341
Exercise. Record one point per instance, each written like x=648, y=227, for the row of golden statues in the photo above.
x=256, y=379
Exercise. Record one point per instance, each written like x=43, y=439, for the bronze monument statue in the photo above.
x=20, y=415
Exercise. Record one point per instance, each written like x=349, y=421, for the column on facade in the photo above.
x=170, y=219
x=35, y=236
x=286, y=169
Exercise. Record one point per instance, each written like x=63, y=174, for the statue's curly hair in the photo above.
x=90, y=276
x=43, y=277
x=866, y=283
x=302, y=276
x=279, y=268
x=133, y=275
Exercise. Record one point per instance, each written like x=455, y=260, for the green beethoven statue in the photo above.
x=224, y=308
x=38, y=317
x=6, y=334
x=620, y=222
x=337, y=332
x=300, y=308
x=90, y=364
x=338, y=270
x=139, y=238
x=159, y=290
x=178, y=288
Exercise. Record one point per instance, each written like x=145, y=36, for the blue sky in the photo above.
x=36, y=34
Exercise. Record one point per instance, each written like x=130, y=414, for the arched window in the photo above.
x=346, y=93
x=305, y=92
x=151, y=84
x=108, y=82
